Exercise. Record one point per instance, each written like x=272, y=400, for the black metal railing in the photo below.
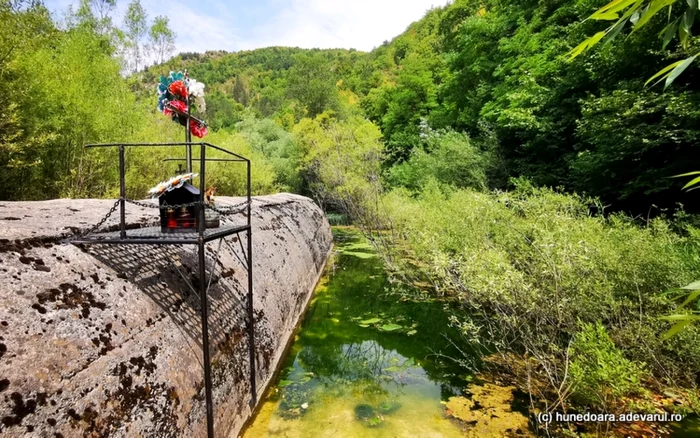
x=199, y=237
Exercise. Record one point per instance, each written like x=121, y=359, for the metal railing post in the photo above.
x=122, y=193
x=204, y=299
x=251, y=322
x=188, y=138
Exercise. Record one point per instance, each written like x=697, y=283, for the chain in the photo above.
x=225, y=211
x=161, y=207
x=141, y=204
x=178, y=206
x=102, y=221
x=229, y=209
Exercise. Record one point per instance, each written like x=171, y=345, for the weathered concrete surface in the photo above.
x=105, y=340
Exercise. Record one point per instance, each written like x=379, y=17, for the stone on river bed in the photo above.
x=363, y=411
x=105, y=339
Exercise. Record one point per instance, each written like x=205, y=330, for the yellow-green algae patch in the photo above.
x=488, y=412
x=335, y=416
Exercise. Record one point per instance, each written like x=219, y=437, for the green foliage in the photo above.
x=277, y=82
x=499, y=72
x=279, y=149
x=222, y=112
x=340, y=162
x=639, y=13
x=162, y=38
x=530, y=266
x=447, y=157
x=600, y=374
x=312, y=82
x=637, y=141
x=337, y=219
x=63, y=89
x=136, y=28
x=230, y=180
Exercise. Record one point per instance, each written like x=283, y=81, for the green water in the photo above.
x=368, y=363
x=364, y=362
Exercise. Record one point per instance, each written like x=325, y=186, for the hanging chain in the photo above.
x=224, y=211
x=229, y=209
x=102, y=221
x=161, y=207
x=141, y=204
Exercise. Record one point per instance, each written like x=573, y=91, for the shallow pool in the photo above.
x=365, y=362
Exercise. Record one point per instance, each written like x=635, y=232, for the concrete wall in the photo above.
x=105, y=340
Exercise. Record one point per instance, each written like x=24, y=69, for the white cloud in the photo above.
x=195, y=31
x=359, y=24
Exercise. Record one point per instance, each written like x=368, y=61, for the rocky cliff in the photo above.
x=105, y=340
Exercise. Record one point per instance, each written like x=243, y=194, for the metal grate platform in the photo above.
x=154, y=236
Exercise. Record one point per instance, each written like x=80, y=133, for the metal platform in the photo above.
x=199, y=237
x=154, y=236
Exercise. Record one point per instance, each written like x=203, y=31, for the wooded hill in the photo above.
x=499, y=73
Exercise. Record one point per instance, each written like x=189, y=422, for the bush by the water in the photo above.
x=600, y=374
x=533, y=271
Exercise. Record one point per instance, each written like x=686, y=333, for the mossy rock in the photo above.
x=364, y=411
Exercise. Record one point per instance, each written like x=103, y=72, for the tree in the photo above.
x=639, y=13
x=240, y=91
x=340, y=162
x=103, y=8
x=162, y=39
x=312, y=83
x=135, y=23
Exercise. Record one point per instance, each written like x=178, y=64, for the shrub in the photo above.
x=530, y=266
x=448, y=157
x=600, y=374
x=340, y=162
x=337, y=219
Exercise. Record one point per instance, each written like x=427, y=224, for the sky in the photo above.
x=235, y=25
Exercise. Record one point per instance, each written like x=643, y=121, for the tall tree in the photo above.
x=135, y=23
x=313, y=83
x=240, y=91
x=103, y=8
x=162, y=38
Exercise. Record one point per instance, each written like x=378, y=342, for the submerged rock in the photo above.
x=364, y=411
x=389, y=407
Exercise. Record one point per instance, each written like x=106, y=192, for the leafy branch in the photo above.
x=637, y=14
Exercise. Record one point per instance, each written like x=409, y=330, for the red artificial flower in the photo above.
x=177, y=104
x=179, y=89
x=198, y=130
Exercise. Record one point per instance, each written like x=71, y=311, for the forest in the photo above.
x=534, y=190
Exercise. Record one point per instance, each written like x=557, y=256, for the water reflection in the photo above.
x=364, y=362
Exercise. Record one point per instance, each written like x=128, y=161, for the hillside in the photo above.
x=500, y=78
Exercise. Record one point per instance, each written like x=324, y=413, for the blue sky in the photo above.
x=242, y=25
